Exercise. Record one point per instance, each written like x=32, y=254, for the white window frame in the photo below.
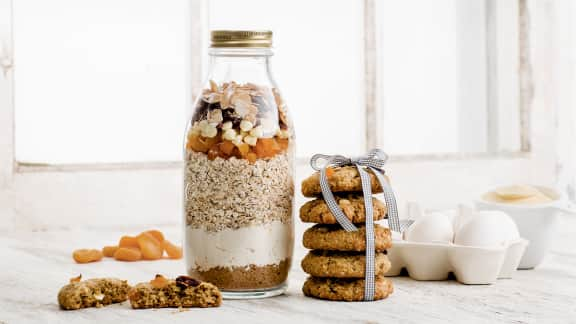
x=35, y=197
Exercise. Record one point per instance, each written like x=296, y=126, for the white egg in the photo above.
x=487, y=228
x=462, y=216
x=433, y=227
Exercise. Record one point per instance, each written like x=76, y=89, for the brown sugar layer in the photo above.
x=246, y=277
x=93, y=293
x=234, y=193
x=182, y=292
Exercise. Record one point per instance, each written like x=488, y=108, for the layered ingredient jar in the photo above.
x=238, y=177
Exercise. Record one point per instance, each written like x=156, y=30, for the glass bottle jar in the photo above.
x=238, y=175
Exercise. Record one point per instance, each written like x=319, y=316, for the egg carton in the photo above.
x=471, y=265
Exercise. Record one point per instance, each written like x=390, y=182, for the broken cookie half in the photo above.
x=183, y=292
x=96, y=292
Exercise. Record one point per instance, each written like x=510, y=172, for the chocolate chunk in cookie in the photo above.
x=352, y=205
x=319, y=263
x=345, y=289
x=335, y=238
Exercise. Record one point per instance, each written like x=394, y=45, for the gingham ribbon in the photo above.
x=374, y=160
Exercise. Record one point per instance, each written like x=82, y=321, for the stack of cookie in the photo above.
x=337, y=260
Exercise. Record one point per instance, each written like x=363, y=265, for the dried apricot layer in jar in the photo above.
x=263, y=148
x=234, y=103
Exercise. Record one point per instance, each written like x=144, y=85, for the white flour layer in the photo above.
x=259, y=245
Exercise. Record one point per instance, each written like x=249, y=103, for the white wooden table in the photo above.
x=36, y=264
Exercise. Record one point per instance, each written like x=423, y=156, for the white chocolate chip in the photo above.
x=246, y=125
x=229, y=134
x=269, y=126
x=250, y=140
x=204, y=126
x=194, y=130
x=209, y=131
x=283, y=133
x=99, y=296
x=257, y=132
x=238, y=140
x=227, y=125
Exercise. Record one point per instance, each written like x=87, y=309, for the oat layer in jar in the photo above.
x=238, y=177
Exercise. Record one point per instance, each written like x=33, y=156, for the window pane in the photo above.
x=100, y=80
x=318, y=65
x=436, y=77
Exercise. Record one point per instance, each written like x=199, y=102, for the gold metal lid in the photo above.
x=241, y=38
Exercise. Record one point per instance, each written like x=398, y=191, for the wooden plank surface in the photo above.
x=36, y=264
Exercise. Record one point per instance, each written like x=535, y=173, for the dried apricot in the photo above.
x=227, y=147
x=173, y=251
x=127, y=254
x=87, y=255
x=244, y=149
x=76, y=279
x=159, y=281
x=266, y=147
x=236, y=153
x=252, y=157
x=329, y=172
x=128, y=241
x=189, y=144
x=195, y=144
x=282, y=143
x=213, y=153
x=150, y=247
x=109, y=251
x=201, y=144
x=210, y=141
x=157, y=235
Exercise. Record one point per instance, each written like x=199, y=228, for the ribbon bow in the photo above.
x=374, y=160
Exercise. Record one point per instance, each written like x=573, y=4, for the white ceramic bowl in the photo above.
x=536, y=223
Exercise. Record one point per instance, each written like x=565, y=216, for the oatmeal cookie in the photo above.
x=317, y=211
x=183, y=292
x=320, y=263
x=345, y=289
x=342, y=179
x=93, y=293
x=335, y=238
